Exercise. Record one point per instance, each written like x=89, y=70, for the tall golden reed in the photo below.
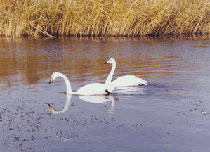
x=104, y=17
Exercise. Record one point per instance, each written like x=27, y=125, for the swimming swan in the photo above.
x=123, y=81
x=89, y=89
x=68, y=100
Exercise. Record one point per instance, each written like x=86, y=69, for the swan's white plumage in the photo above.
x=89, y=89
x=123, y=81
x=128, y=80
x=92, y=89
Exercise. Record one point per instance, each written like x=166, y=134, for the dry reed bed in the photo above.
x=104, y=17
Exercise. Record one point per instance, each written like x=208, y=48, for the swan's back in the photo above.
x=128, y=80
x=92, y=89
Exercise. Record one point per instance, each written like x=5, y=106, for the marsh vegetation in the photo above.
x=104, y=18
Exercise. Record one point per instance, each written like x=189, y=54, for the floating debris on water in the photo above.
x=204, y=112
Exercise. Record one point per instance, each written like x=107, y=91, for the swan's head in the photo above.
x=111, y=60
x=54, y=76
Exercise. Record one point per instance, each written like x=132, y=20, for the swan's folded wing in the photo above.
x=92, y=89
x=128, y=80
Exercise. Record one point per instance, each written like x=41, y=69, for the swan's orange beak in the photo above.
x=51, y=108
x=105, y=62
x=51, y=80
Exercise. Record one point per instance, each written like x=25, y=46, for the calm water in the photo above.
x=171, y=114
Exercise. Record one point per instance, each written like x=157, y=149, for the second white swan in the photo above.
x=123, y=81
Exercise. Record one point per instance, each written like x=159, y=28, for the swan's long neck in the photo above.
x=109, y=78
x=68, y=84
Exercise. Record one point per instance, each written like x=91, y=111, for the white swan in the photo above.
x=123, y=81
x=89, y=89
x=68, y=99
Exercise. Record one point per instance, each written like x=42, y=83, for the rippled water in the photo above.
x=170, y=114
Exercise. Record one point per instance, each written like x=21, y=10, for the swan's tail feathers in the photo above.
x=143, y=83
x=51, y=108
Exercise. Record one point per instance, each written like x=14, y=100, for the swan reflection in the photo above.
x=66, y=106
x=101, y=99
x=91, y=99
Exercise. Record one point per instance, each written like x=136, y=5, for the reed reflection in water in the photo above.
x=28, y=61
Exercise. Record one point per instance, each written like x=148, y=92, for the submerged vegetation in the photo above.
x=104, y=17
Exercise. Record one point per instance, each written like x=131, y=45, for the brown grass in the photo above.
x=104, y=17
